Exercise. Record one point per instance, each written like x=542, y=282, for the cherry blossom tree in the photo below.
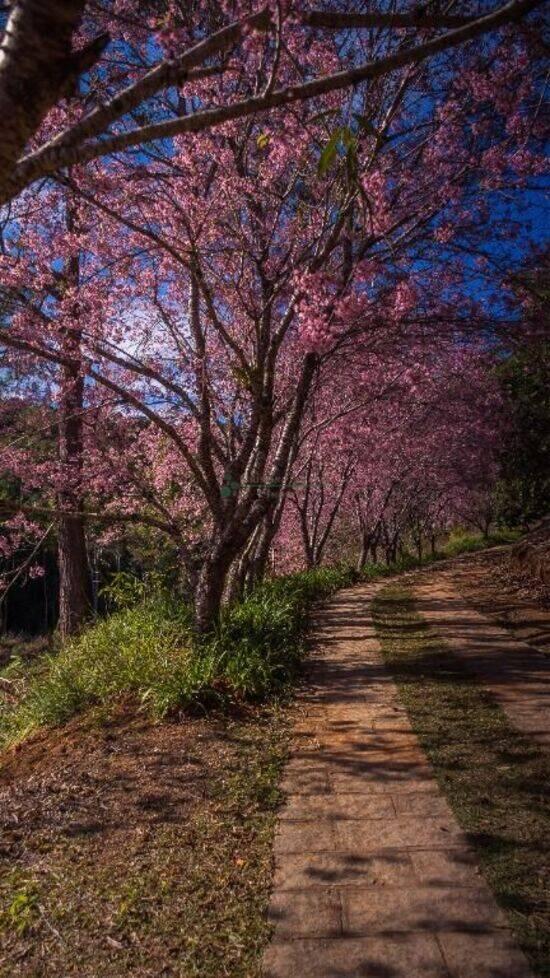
x=421, y=458
x=77, y=78
x=249, y=270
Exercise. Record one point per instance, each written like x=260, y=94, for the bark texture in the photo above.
x=38, y=67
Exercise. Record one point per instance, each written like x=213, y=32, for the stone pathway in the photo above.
x=516, y=674
x=374, y=878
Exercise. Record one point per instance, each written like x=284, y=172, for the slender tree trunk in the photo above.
x=364, y=553
x=388, y=545
x=369, y=544
x=255, y=571
x=257, y=563
x=75, y=586
x=259, y=552
x=75, y=591
x=393, y=549
x=236, y=581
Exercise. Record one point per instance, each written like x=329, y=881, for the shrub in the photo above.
x=465, y=541
x=146, y=651
x=258, y=646
x=141, y=651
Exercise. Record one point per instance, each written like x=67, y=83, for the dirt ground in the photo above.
x=135, y=849
x=518, y=603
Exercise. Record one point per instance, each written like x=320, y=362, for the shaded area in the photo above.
x=516, y=602
x=496, y=779
x=132, y=848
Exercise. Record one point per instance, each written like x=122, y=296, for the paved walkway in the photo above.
x=374, y=878
x=516, y=674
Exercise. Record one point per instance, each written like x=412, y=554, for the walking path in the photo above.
x=374, y=878
x=516, y=674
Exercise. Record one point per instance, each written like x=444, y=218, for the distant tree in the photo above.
x=525, y=381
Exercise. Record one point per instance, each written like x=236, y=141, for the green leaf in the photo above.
x=365, y=123
x=341, y=137
x=329, y=152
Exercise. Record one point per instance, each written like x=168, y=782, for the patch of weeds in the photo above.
x=495, y=779
x=19, y=912
x=464, y=541
x=129, y=910
x=145, y=651
x=175, y=878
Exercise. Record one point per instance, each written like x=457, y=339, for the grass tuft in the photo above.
x=146, y=652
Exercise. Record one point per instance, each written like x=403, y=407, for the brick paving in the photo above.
x=517, y=675
x=373, y=878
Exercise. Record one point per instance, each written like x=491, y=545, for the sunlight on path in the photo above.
x=374, y=878
x=515, y=673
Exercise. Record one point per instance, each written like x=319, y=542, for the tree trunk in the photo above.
x=231, y=541
x=269, y=527
x=75, y=586
x=393, y=548
x=209, y=593
x=74, y=582
x=37, y=65
x=366, y=543
x=75, y=589
x=257, y=564
x=236, y=580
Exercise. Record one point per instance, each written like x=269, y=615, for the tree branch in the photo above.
x=41, y=164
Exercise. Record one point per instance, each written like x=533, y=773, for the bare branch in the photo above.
x=334, y=21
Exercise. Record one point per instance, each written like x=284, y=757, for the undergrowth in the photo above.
x=463, y=541
x=494, y=777
x=145, y=650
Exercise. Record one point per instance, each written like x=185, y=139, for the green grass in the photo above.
x=19, y=910
x=141, y=651
x=463, y=541
x=146, y=652
x=179, y=889
x=495, y=779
